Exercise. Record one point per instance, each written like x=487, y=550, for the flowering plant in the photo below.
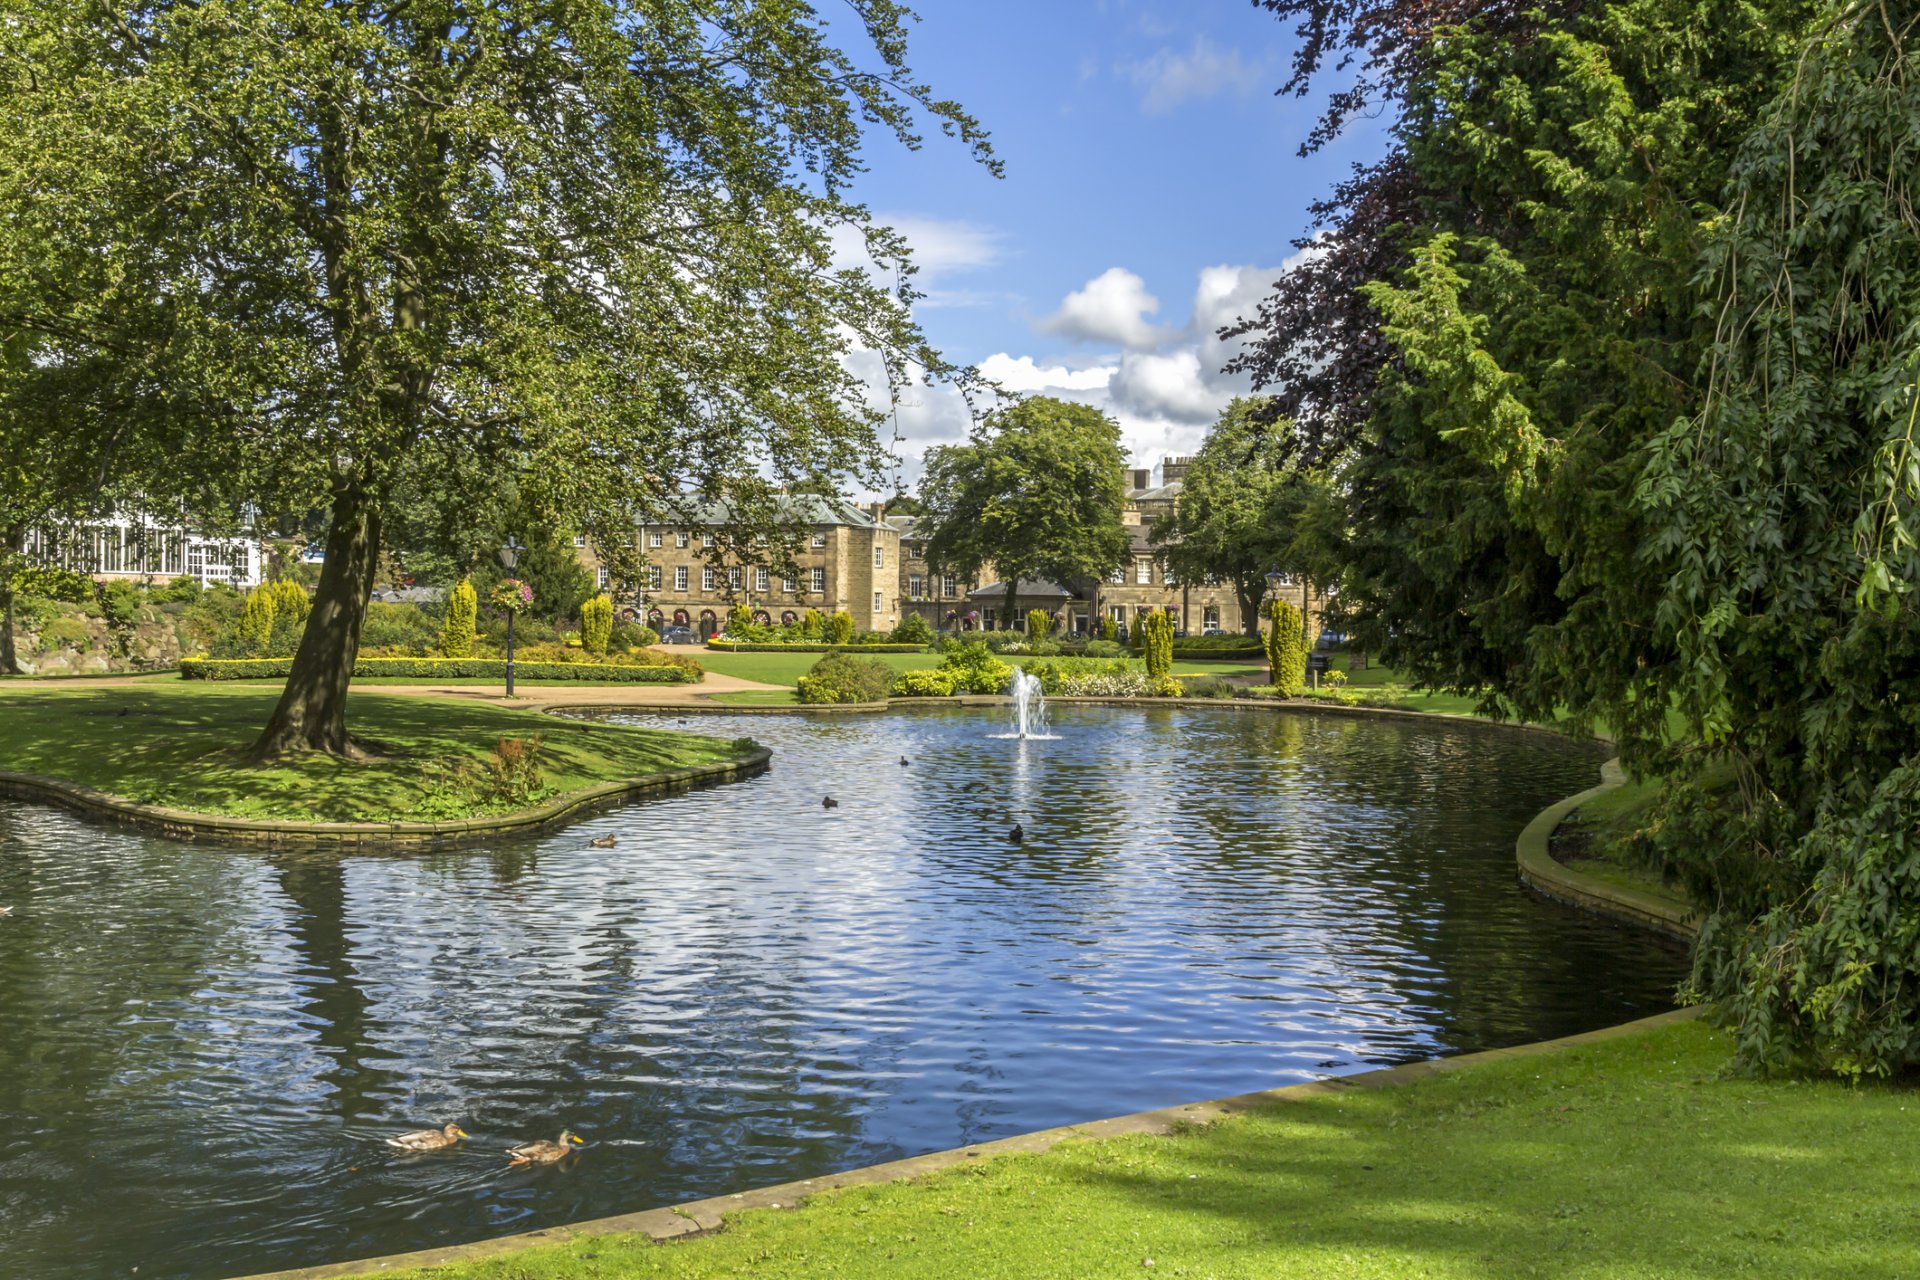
x=510, y=596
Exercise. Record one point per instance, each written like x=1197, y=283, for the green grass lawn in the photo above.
x=1594, y=840
x=179, y=745
x=758, y=698
x=1632, y=1159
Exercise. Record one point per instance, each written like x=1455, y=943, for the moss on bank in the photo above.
x=1625, y=1159
x=179, y=746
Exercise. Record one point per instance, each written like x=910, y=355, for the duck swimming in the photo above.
x=428, y=1139
x=1018, y=833
x=828, y=802
x=604, y=842
x=544, y=1151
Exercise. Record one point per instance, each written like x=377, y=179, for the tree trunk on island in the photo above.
x=312, y=713
x=9, y=557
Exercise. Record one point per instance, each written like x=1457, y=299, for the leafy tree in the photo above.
x=1239, y=509
x=596, y=623
x=1286, y=648
x=307, y=253
x=1037, y=492
x=458, y=631
x=1787, y=516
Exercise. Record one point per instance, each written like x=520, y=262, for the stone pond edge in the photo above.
x=1544, y=874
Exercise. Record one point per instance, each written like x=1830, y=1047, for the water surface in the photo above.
x=203, y=1047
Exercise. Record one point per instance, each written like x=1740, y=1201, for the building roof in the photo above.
x=1157, y=493
x=1023, y=588
x=797, y=508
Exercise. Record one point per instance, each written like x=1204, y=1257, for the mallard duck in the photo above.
x=428, y=1139
x=828, y=802
x=604, y=842
x=545, y=1152
x=1018, y=833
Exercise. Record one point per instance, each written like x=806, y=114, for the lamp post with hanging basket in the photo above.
x=510, y=597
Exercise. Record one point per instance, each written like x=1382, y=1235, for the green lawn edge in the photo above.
x=177, y=746
x=1628, y=1156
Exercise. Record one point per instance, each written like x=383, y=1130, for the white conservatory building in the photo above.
x=143, y=549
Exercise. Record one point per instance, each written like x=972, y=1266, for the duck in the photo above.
x=1018, y=833
x=428, y=1139
x=604, y=842
x=828, y=802
x=544, y=1151
x=904, y=762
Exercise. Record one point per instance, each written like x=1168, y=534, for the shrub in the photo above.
x=596, y=623
x=937, y=683
x=975, y=670
x=513, y=770
x=666, y=671
x=1333, y=678
x=813, y=624
x=912, y=629
x=178, y=591
x=67, y=630
x=631, y=635
x=1158, y=630
x=1286, y=648
x=720, y=644
x=1109, y=629
x=457, y=631
x=841, y=677
x=1212, y=645
x=1063, y=675
x=1209, y=687
x=254, y=631
x=399, y=626
x=740, y=622
x=291, y=605
x=1163, y=687
x=1039, y=624
x=840, y=628
x=1106, y=649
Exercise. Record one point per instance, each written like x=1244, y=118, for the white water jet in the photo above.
x=1029, y=706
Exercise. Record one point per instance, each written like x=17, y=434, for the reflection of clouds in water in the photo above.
x=748, y=988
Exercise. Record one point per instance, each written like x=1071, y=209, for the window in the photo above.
x=1117, y=578
x=915, y=586
x=680, y=538
x=947, y=587
x=171, y=556
x=706, y=539
x=819, y=580
x=734, y=577
x=877, y=603
x=653, y=577
x=655, y=538
x=579, y=540
x=110, y=550
x=1168, y=576
x=819, y=539
x=601, y=575
x=789, y=584
x=760, y=581
x=706, y=577
x=879, y=556
x=679, y=577
x=1143, y=573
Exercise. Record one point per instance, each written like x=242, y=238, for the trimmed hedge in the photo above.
x=443, y=669
x=774, y=646
x=1219, y=646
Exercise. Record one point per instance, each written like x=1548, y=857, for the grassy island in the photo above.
x=180, y=746
x=1626, y=1159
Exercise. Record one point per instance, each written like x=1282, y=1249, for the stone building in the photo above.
x=849, y=559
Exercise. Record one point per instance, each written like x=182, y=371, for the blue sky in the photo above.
x=1152, y=192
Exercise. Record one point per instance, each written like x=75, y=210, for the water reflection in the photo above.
x=205, y=1047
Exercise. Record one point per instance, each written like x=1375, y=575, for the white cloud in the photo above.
x=1112, y=307
x=1025, y=376
x=1173, y=387
x=1168, y=79
x=940, y=248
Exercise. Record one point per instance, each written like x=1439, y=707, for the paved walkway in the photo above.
x=611, y=695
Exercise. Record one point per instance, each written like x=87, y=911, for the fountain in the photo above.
x=1029, y=706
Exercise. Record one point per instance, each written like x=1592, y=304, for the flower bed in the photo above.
x=775, y=646
x=447, y=669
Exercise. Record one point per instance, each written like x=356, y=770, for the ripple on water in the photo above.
x=206, y=1047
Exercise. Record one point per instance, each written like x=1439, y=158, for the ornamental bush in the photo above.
x=1039, y=624
x=631, y=635
x=1109, y=630
x=1164, y=687
x=840, y=628
x=842, y=678
x=1105, y=649
x=457, y=631
x=1157, y=627
x=937, y=683
x=975, y=670
x=1286, y=648
x=596, y=623
x=912, y=629
x=813, y=624
x=254, y=631
x=1066, y=675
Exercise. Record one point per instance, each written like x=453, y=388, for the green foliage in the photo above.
x=631, y=635
x=400, y=626
x=912, y=629
x=291, y=605
x=51, y=582
x=254, y=631
x=1109, y=630
x=1158, y=646
x=740, y=621
x=1787, y=554
x=1105, y=649
x=1039, y=624
x=1209, y=687
x=1073, y=675
x=1286, y=648
x=457, y=632
x=936, y=683
x=1037, y=493
x=512, y=771
x=448, y=669
x=596, y=623
x=813, y=624
x=178, y=591
x=975, y=669
x=883, y=645
x=840, y=628
x=842, y=678
x=1164, y=686
x=1212, y=646
x=67, y=631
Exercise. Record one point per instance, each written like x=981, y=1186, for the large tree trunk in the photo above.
x=1013, y=589
x=1250, y=601
x=312, y=715
x=9, y=556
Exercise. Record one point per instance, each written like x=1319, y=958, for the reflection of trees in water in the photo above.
x=331, y=992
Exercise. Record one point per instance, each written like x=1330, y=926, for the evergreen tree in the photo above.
x=458, y=631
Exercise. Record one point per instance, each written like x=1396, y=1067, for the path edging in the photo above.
x=703, y=1217
x=1546, y=875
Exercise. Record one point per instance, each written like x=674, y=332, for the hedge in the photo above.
x=770, y=646
x=443, y=669
x=1219, y=646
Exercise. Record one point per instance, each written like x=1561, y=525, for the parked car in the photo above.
x=1212, y=631
x=679, y=635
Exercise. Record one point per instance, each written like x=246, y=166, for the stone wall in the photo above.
x=56, y=649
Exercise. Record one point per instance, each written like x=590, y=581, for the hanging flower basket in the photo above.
x=510, y=596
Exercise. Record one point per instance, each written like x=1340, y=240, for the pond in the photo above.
x=204, y=1048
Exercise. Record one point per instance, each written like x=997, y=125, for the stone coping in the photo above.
x=1541, y=872
x=354, y=837
x=702, y=1217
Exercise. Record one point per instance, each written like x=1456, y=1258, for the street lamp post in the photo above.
x=509, y=559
